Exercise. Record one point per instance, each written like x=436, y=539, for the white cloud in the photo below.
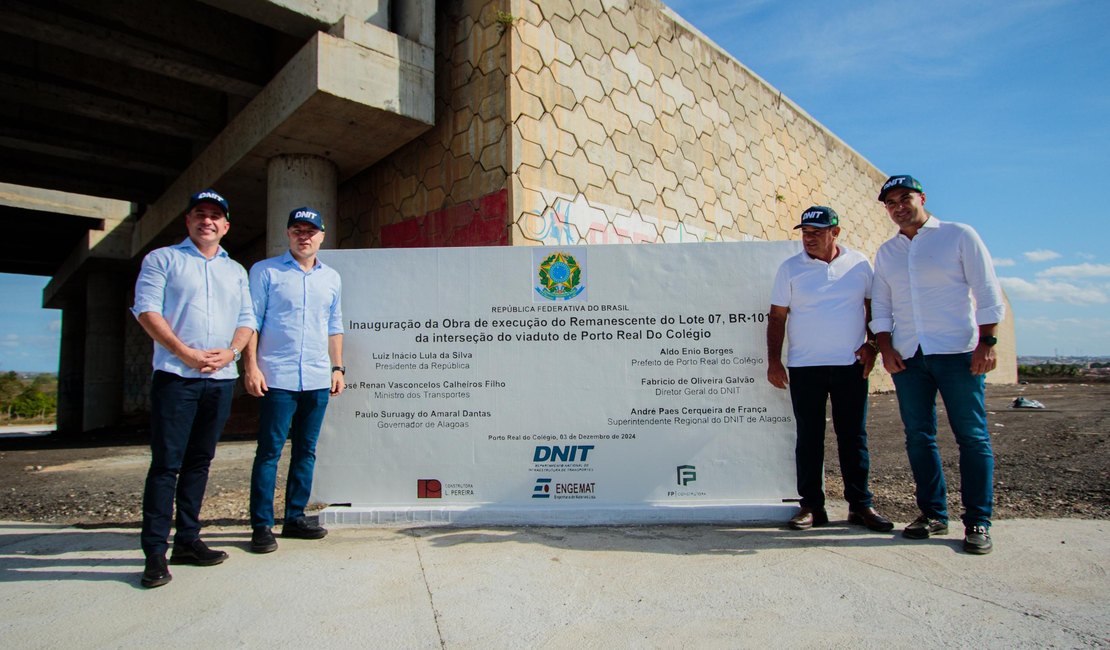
x=1040, y=255
x=1084, y=270
x=55, y=325
x=1042, y=290
x=1085, y=256
x=1000, y=262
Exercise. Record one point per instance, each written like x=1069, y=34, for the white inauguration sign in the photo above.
x=563, y=385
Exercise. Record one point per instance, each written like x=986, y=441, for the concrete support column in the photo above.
x=105, y=310
x=71, y=362
x=415, y=20
x=296, y=180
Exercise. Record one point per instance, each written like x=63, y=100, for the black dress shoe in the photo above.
x=301, y=528
x=870, y=518
x=156, y=573
x=196, y=552
x=808, y=518
x=262, y=540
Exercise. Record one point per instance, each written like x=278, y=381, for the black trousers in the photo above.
x=187, y=418
x=811, y=388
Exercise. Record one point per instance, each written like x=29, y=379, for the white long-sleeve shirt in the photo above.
x=924, y=286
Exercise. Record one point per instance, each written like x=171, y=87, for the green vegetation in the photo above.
x=505, y=20
x=32, y=399
x=1047, y=370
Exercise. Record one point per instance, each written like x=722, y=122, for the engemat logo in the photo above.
x=561, y=453
x=542, y=489
x=429, y=488
x=545, y=488
x=687, y=474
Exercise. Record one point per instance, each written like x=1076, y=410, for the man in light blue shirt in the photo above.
x=294, y=364
x=193, y=301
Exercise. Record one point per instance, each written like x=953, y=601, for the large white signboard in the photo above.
x=576, y=384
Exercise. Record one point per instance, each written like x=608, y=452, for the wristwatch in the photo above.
x=342, y=369
x=235, y=355
x=989, y=341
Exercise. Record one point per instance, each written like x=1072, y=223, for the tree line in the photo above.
x=1050, y=370
x=31, y=398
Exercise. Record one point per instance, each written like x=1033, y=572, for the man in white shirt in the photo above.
x=932, y=339
x=821, y=297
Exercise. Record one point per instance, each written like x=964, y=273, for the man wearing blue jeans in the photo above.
x=932, y=339
x=192, y=299
x=294, y=364
x=821, y=297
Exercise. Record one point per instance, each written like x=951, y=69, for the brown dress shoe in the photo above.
x=870, y=518
x=808, y=518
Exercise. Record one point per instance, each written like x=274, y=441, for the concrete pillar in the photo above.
x=296, y=180
x=71, y=362
x=105, y=310
x=415, y=20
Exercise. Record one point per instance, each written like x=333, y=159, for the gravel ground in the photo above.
x=1053, y=462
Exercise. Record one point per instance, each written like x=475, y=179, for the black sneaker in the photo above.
x=923, y=527
x=977, y=540
x=302, y=528
x=156, y=573
x=196, y=552
x=262, y=540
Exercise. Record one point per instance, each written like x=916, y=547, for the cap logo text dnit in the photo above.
x=209, y=195
x=812, y=215
x=894, y=181
x=304, y=214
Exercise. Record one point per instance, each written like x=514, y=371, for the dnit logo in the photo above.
x=429, y=488
x=561, y=453
x=687, y=474
x=542, y=490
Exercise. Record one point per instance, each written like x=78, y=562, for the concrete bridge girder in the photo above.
x=359, y=86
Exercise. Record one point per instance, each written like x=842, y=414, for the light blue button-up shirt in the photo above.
x=296, y=313
x=203, y=300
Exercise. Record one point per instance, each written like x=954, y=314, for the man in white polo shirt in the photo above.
x=822, y=299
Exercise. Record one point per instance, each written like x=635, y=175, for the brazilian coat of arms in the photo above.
x=560, y=277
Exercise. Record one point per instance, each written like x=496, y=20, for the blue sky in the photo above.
x=29, y=334
x=1001, y=109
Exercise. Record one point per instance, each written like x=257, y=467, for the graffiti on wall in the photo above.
x=558, y=220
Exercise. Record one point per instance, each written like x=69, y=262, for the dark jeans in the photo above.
x=298, y=416
x=917, y=388
x=810, y=388
x=187, y=417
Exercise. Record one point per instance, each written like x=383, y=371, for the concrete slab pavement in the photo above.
x=1045, y=585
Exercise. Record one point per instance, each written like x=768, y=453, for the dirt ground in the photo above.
x=1053, y=462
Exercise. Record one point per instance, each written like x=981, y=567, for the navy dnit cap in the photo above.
x=903, y=180
x=819, y=216
x=209, y=196
x=305, y=215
